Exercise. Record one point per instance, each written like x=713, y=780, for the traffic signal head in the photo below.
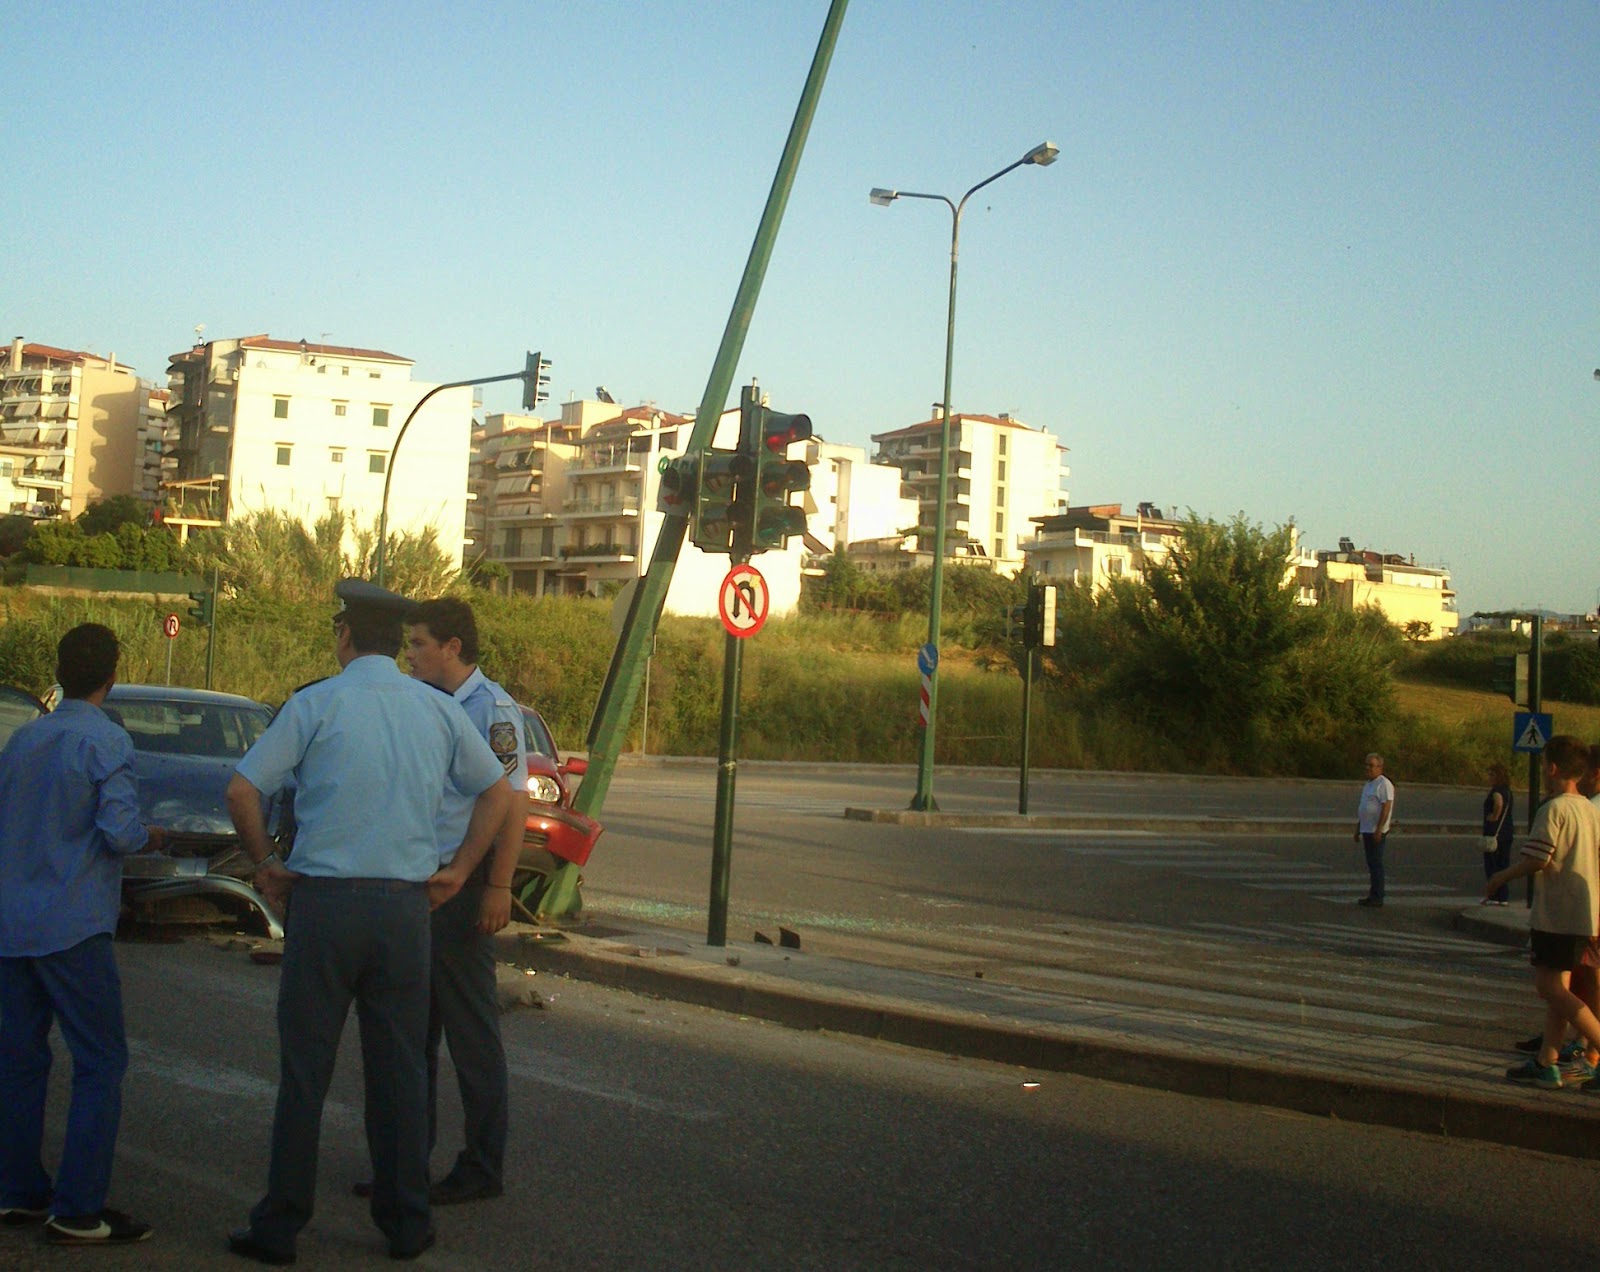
x=721, y=494
x=204, y=609
x=535, y=381
x=1511, y=677
x=766, y=435
x=679, y=480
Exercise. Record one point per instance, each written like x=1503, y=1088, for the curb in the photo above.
x=1506, y=1116
x=1169, y=825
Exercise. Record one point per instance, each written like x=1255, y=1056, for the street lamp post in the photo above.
x=388, y=475
x=1042, y=155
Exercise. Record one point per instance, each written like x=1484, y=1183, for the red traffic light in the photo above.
x=779, y=432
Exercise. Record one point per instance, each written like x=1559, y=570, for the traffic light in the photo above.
x=1047, y=616
x=1511, y=677
x=766, y=435
x=679, y=479
x=204, y=609
x=535, y=381
x=720, y=493
x=1033, y=619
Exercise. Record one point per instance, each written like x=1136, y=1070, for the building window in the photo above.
x=547, y=541
x=380, y=417
x=1000, y=443
x=344, y=370
x=335, y=455
x=374, y=375
x=280, y=408
x=283, y=456
x=1000, y=469
x=339, y=408
x=1114, y=566
x=322, y=369
x=375, y=462
x=333, y=503
x=999, y=548
x=514, y=541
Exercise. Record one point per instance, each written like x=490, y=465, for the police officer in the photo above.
x=368, y=752
x=442, y=649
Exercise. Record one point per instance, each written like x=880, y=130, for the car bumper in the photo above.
x=562, y=832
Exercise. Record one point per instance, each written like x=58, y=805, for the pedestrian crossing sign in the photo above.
x=1530, y=731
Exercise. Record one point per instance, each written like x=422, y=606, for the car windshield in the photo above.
x=535, y=737
x=171, y=726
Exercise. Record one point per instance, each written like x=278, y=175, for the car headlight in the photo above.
x=543, y=788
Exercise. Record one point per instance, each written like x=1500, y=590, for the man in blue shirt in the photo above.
x=442, y=649
x=69, y=813
x=369, y=752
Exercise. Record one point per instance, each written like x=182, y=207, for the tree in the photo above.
x=109, y=515
x=1417, y=630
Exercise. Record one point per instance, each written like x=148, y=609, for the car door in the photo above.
x=17, y=707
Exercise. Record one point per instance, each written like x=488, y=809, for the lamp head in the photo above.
x=1044, y=154
x=879, y=197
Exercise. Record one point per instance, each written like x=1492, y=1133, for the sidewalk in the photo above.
x=1309, y=1067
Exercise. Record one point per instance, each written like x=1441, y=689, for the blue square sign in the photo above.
x=1530, y=731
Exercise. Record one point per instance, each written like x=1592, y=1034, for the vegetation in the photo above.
x=1206, y=666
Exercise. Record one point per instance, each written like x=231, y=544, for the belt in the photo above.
x=331, y=883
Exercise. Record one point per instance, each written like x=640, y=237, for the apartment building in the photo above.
x=1098, y=543
x=1351, y=578
x=1002, y=473
x=70, y=430
x=856, y=502
x=307, y=429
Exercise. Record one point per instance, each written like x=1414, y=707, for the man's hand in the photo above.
x=495, y=911
x=157, y=841
x=443, y=884
x=274, y=882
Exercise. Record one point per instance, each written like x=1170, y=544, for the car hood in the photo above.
x=185, y=793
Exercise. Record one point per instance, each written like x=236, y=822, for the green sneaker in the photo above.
x=1531, y=1073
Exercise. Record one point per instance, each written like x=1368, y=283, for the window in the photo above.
x=322, y=369
x=380, y=417
x=1115, y=566
x=547, y=541
x=999, y=547
x=1000, y=470
x=344, y=370
x=339, y=408
x=514, y=541
x=999, y=523
x=335, y=455
x=283, y=456
x=333, y=503
x=374, y=375
x=280, y=408
x=375, y=461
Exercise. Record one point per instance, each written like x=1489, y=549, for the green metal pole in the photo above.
x=1535, y=701
x=619, y=693
x=727, y=773
x=211, y=631
x=1027, y=725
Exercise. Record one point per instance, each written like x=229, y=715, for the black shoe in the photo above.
x=109, y=1227
x=1532, y=1044
x=1374, y=902
x=452, y=1191
x=20, y=1216
x=244, y=1244
x=361, y=1188
x=411, y=1252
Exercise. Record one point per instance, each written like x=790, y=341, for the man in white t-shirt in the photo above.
x=1375, y=813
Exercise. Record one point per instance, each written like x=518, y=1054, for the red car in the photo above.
x=556, y=833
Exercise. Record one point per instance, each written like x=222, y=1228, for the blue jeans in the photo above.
x=1372, y=845
x=78, y=989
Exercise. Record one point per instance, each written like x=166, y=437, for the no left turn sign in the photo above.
x=742, y=602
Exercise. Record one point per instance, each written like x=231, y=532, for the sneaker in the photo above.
x=1531, y=1073
x=1577, y=1072
x=109, y=1227
x=18, y=1216
x=1531, y=1045
x=1572, y=1049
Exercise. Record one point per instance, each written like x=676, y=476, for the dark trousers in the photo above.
x=1496, y=861
x=78, y=989
x=363, y=941
x=466, y=1014
x=1373, y=846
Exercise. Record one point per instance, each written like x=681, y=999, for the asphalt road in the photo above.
x=653, y=1135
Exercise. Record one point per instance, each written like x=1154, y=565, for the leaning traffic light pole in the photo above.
x=619, y=693
x=204, y=612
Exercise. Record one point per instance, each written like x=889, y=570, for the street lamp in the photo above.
x=532, y=377
x=1042, y=156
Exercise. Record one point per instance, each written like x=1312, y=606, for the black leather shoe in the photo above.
x=244, y=1244
x=1375, y=903
x=451, y=1191
x=411, y=1252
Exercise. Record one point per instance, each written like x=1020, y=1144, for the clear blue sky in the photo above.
x=1335, y=263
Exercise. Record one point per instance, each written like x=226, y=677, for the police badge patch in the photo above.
x=503, y=742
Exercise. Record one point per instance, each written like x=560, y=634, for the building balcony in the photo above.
x=601, y=459
x=627, y=506
x=598, y=552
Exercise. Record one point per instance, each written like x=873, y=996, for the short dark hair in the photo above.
x=1499, y=774
x=1569, y=755
x=449, y=617
x=86, y=659
x=373, y=631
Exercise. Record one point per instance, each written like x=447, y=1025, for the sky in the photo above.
x=1334, y=263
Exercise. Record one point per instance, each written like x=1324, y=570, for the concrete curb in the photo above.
x=1565, y=1125
x=1158, y=825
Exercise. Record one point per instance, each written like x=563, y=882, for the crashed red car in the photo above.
x=556, y=833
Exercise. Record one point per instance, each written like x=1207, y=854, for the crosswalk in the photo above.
x=1245, y=867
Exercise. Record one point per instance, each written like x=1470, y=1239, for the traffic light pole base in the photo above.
x=557, y=895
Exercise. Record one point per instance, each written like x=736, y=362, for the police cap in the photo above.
x=358, y=594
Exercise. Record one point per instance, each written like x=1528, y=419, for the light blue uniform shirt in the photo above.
x=69, y=812
x=369, y=752
x=498, y=720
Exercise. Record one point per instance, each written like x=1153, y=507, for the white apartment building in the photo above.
x=855, y=500
x=70, y=429
x=307, y=429
x=1002, y=473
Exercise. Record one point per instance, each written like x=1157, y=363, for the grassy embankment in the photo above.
x=839, y=688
